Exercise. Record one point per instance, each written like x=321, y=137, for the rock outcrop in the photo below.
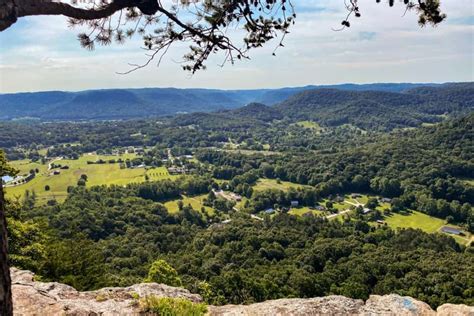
x=52, y=298
x=387, y=305
x=39, y=298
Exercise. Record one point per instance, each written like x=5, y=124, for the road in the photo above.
x=345, y=211
x=53, y=161
x=337, y=214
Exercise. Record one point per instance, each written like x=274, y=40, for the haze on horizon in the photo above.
x=41, y=53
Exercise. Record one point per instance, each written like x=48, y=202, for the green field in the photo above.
x=98, y=174
x=424, y=222
x=300, y=211
x=196, y=203
x=338, y=206
x=414, y=219
x=265, y=184
x=310, y=125
x=468, y=181
x=252, y=152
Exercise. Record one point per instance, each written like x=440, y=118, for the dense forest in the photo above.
x=111, y=104
x=413, y=148
x=110, y=236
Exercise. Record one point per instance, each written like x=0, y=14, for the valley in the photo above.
x=327, y=192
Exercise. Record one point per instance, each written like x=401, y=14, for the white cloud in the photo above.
x=43, y=54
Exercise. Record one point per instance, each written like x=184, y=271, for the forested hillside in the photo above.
x=110, y=235
x=379, y=110
x=141, y=103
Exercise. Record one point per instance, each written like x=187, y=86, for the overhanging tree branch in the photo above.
x=11, y=10
x=204, y=23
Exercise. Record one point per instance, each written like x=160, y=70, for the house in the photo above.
x=294, y=203
x=320, y=208
x=366, y=210
x=451, y=230
x=176, y=170
x=385, y=200
x=269, y=211
x=379, y=221
x=339, y=199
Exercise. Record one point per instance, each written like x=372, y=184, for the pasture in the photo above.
x=310, y=125
x=97, y=174
x=300, y=211
x=196, y=203
x=415, y=220
x=418, y=220
x=265, y=184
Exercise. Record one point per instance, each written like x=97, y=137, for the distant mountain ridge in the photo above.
x=138, y=103
x=368, y=110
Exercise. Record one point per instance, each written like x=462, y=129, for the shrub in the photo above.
x=167, y=306
x=161, y=272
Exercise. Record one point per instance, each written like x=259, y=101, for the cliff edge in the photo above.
x=38, y=298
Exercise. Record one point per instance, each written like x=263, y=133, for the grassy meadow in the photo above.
x=265, y=184
x=97, y=174
x=310, y=125
x=418, y=220
x=300, y=211
x=196, y=203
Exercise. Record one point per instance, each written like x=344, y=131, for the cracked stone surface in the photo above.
x=52, y=298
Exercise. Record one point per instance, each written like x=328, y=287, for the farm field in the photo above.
x=252, y=152
x=414, y=219
x=310, y=125
x=338, y=206
x=98, y=174
x=422, y=221
x=300, y=211
x=195, y=201
x=265, y=184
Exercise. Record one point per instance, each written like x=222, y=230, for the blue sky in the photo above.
x=41, y=53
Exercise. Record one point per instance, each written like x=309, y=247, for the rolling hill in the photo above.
x=368, y=110
x=138, y=103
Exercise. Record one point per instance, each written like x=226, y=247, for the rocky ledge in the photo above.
x=39, y=298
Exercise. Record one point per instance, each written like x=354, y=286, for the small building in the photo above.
x=227, y=221
x=366, y=210
x=451, y=230
x=385, y=200
x=379, y=221
x=339, y=199
x=320, y=208
x=176, y=170
x=294, y=203
x=269, y=211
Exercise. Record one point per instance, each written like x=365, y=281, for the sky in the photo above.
x=384, y=45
